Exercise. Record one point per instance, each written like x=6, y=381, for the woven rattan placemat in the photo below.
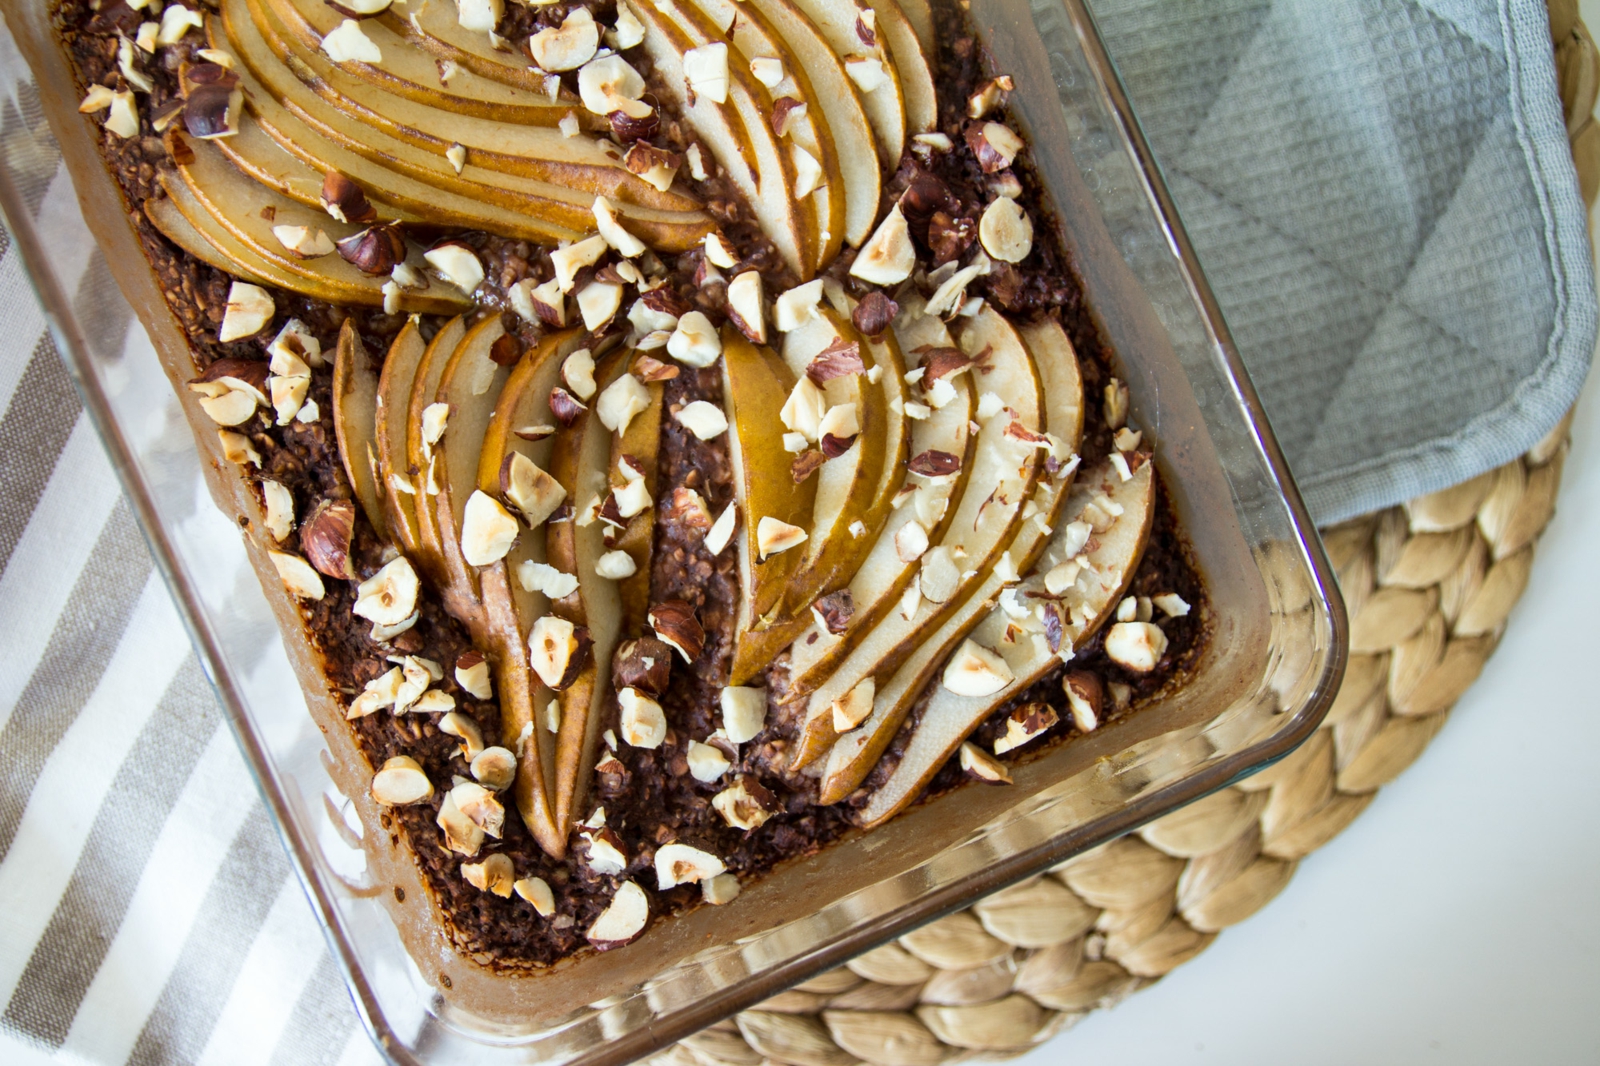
x=1428, y=585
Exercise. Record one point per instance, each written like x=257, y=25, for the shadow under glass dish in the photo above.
x=1270, y=668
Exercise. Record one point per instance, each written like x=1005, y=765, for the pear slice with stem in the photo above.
x=1005, y=469
x=737, y=132
x=355, y=388
x=511, y=607
x=950, y=718
x=412, y=72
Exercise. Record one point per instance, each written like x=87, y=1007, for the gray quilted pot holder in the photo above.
x=1383, y=197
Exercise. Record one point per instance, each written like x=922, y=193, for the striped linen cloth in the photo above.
x=148, y=913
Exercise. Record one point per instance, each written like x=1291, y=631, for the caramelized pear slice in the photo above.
x=838, y=103
x=640, y=447
x=355, y=388
x=510, y=607
x=756, y=383
x=847, y=484
x=738, y=132
x=884, y=103
x=410, y=71
x=855, y=753
x=390, y=428
x=920, y=14
x=949, y=718
x=579, y=461
x=409, y=473
x=987, y=514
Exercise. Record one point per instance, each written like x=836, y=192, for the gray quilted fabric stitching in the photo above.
x=1383, y=198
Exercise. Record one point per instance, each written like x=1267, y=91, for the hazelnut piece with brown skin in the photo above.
x=375, y=250
x=325, y=538
x=644, y=664
x=675, y=623
x=345, y=200
x=874, y=313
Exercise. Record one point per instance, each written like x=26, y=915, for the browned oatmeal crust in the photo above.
x=651, y=800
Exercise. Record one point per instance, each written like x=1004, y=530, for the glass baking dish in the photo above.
x=1270, y=670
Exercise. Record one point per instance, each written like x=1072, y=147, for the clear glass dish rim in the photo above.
x=74, y=350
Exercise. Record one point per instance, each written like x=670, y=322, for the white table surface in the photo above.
x=1458, y=919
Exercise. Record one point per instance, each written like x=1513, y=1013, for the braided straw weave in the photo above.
x=1428, y=586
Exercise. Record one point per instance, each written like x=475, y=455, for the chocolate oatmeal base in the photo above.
x=653, y=800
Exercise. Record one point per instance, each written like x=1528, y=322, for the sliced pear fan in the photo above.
x=949, y=718
x=737, y=131
x=985, y=520
x=410, y=71
x=580, y=462
x=510, y=607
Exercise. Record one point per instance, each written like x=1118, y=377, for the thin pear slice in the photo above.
x=409, y=71
x=641, y=444
x=1002, y=481
x=884, y=105
x=471, y=385
x=579, y=462
x=920, y=14
x=912, y=65
x=391, y=405
x=801, y=631
x=511, y=608
x=756, y=383
x=846, y=484
x=415, y=199
x=807, y=129
x=883, y=576
x=737, y=132
x=259, y=158
x=855, y=753
x=948, y=718
x=355, y=388
x=556, y=184
x=544, y=153
x=411, y=475
x=838, y=102
x=251, y=212
x=165, y=217
x=434, y=26
x=234, y=256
